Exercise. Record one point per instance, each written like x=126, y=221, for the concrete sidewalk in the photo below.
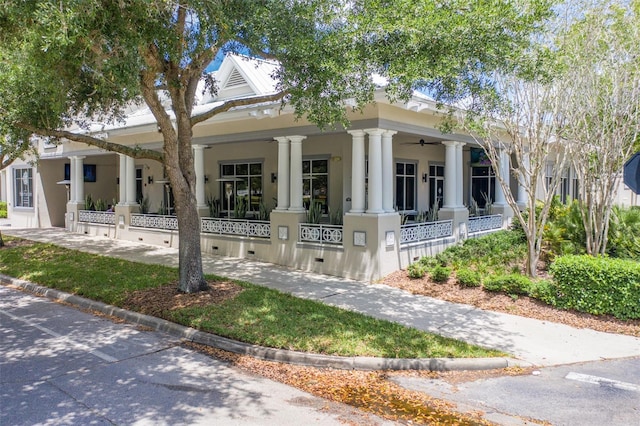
x=537, y=342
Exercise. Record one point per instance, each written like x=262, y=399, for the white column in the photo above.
x=283, y=173
x=375, y=171
x=459, y=175
x=296, y=173
x=387, y=171
x=79, y=178
x=357, y=171
x=122, y=200
x=523, y=180
x=72, y=178
x=504, y=172
x=198, y=163
x=130, y=181
x=450, y=175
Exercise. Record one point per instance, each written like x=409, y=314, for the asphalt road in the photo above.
x=587, y=394
x=61, y=366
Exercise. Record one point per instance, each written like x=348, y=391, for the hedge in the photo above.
x=598, y=285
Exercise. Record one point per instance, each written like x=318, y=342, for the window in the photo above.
x=241, y=181
x=139, y=195
x=436, y=185
x=23, y=187
x=406, y=185
x=315, y=183
x=483, y=183
x=564, y=187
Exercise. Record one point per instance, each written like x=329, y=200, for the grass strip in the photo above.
x=257, y=315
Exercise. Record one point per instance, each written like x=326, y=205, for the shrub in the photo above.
x=416, y=270
x=544, y=290
x=598, y=285
x=428, y=262
x=3, y=210
x=509, y=283
x=440, y=273
x=468, y=277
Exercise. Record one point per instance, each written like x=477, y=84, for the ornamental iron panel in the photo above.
x=154, y=221
x=418, y=232
x=485, y=223
x=323, y=234
x=90, y=216
x=240, y=227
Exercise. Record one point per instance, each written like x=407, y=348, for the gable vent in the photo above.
x=235, y=79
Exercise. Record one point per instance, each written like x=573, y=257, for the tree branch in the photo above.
x=134, y=152
x=234, y=103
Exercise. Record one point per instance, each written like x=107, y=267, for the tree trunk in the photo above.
x=189, y=251
x=1, y=240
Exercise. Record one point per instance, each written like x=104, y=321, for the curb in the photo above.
x=264, y=353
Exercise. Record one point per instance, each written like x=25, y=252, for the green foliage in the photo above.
x=336, y=218
x=88, y=203
x=144, y=205
x=100, y=205
x=598, y=285
x=264, y=212
x=214, y=206
x=440, y=273
x=544, y=290
x=416, y=270
x=564, y=232
x=3, y=209
x=508, y=283
x=497, y=251
x=624, y=233
x=240, y=208
x=314, y=214
x=428, y=262
x=468, y=277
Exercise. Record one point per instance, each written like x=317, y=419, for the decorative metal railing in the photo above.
x=324, y=234
x=484, y=223
x=91, y=216
x=240, y=227
x=154, y=221
x=425, y=231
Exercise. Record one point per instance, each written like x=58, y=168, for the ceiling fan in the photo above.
x=422, y=142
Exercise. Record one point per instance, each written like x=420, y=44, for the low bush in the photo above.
x=3, y=210
x=416, y=270
x=508, y=283
x=440, y=273
x=428, y=262
x=468, y=277
x=598, y=285
x=544, y=290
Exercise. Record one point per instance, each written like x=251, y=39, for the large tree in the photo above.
x=526, y=129
x=601, y=55
x=65, y=63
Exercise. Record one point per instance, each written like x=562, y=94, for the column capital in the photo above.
x=356, y=133
x=449, y=143
x=389, y=133
x=296, y=138
x=77, y=157
x=199, y=147
x=375, y=132
x=281, y=139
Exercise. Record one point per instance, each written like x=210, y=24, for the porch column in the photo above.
x=198, y=163
x=387, y=171
x=122, y=190
x=504, y=172
x=296, y=173
x=283, y=173
x=130, y=182
x=78, y=178
x=72, y=178
x=450, y=175
x=375, y=171
x=459, y=175
x=357, y=171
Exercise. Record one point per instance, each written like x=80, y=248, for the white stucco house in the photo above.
x=390, y=165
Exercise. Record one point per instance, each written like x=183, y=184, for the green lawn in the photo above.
x=257, y=315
